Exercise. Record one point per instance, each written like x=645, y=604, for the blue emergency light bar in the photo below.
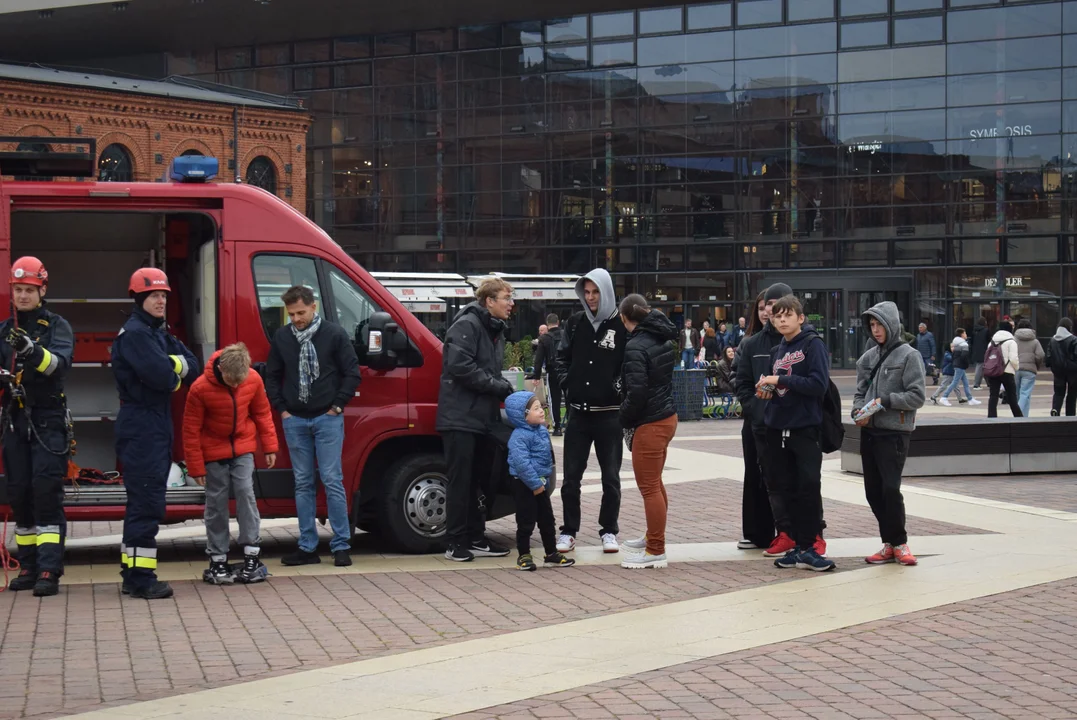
x=193, y=168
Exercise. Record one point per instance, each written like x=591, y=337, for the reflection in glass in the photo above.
x=711, y=15
x=1003, y=55
x=786, y=40
x=1004, y=120
x=913, y=5
x=864, y=34
x=919, y=93
x=1005, y=22
x=918, y=30
x=810, y=10
x=852, y=8
x=1030, y=86
x=567, y=29
x=758, y=12
x=909, y=62
x=662, y=20
x=613, y=24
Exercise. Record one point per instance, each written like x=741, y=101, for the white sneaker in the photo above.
x=566, y=543
x=639, y=543
x=610, y=544
x=974, y=401
x=944, y=401
x=644, y=561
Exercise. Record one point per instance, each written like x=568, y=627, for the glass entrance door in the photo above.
x=857, y=302
x=821, y=309
x=1043, y=314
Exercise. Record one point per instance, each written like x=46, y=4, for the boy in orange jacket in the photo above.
x=227, y=414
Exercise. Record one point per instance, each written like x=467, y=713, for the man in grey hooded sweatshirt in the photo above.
x=588, y=366
x=892, y=373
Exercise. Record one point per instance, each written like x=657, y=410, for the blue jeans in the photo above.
x=688, y=358
x=321, y=437
x=960, y=375
x=1025, y=380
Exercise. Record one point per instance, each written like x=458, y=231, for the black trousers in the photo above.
x=995, y=384
x=603, y=430
x=466, y=455
x=795, y=467
x=35, y=488
x=532, y=509
x=883, y=455
x=756, y=516
x=555, y=399
x=1065, y=388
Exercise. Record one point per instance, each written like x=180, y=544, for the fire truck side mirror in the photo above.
x=379, y=341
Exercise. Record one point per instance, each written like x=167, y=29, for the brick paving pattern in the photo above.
x=1054, y=492
x=1011, y=656
x=90, y=646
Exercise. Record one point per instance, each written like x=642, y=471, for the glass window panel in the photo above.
x=852, y=8
x=998, y=121
x=761, y=256
x=312, y=78
x=478, y=37
x=712, y=15
x=967, y=3
x=1069, y=83
x=897, y=63
x=566, y=57
x=810, y=9
x=971, y=156
x=915, y=94
x=1069, y=49
x=606, y=54
x=661, y=20
x=280, y=54
x=918, y=252
x=613, y=24
x=806, y=255
x=758, y=12
x=1032, y=249
x=786, y=40
x=429, y=41
x=864, y=254
x=704, y=47
x=786, y=71
x=317, y=51
x=913, y=124
x=385, y=45
x=970, y=251
x=351, y=74
x=660, y=50
x=522, y=33
x=675, y=49
x=232, y=58
x=865, y=34
x=567, y=29
x=1005, y=22
x=1002, y=55
x=921, y=29
x=1031, y=86
x=913, y=5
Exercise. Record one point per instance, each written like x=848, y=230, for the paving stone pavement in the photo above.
x=91, y=646
x=1056, y=492
x=1007, y=657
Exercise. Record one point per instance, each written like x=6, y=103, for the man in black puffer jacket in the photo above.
x=469, y=404
x=754, y=362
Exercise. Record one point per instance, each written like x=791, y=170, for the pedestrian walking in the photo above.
x=588, y=366
x=1001, y=363
x=961, y=362
x=925, y=343
x=227, y=416
x=890, y=375
x=1064, y=369
x=757, y=518
x=739, y=331
x=1031, y=359
x=712, y=344
x=754, y=363
x=794, y=391
x=649, y=419
x=545, y=357
x=981, y=336
x=37, y=353
x=689, y=344
x=530, y=463
x=469, y=407
x=149, y=364
x=311, y=376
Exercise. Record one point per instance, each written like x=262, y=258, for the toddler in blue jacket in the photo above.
x=531, y=462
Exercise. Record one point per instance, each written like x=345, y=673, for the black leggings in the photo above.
x=994, y=384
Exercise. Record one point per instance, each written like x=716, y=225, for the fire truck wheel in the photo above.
x=413, y=503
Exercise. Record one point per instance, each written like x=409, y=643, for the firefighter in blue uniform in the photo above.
x=36, y=350
x=149, y=365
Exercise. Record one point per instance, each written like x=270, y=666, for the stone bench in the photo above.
x=984, y=446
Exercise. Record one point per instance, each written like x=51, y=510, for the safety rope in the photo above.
x=10, y=564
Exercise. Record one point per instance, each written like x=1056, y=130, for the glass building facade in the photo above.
x=914, y=150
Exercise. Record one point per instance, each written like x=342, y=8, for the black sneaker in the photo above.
x=253, y=570
x=526, y=562
x=25, y=581
x=218, y=573
x=459, y=554
x=962, y=401
x=158, y=591
x=342, y=558
x=301, y=557
x=557, y=560
x=557, y=432
x=47, y=584
x=485, y=548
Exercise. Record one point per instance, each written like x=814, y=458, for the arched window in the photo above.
x=192, y=151
x=115, y=164
x=33, y=148
x=261, y=173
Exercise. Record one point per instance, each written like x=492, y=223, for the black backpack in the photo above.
x=832, y=431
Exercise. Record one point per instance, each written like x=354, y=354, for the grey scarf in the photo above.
x=308, y=357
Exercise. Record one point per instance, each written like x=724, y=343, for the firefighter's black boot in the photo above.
x=25, y=581
x=48, y=583
x=159, y=590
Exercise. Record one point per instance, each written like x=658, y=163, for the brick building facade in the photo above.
x=141, y=126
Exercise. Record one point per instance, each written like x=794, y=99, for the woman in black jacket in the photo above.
x=981, y=335
x=649, y=419
x=725, y=370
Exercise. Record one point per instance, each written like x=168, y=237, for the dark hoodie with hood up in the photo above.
x=803, y=369
x=647, y=375
x=472, y=387
x=899, y=381
x=592, y=350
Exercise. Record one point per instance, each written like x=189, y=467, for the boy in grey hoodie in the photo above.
x=892, y=373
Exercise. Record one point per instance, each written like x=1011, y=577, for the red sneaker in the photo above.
x=886, y=555
x=781, y=545
x=904, y=555
x=820, y=545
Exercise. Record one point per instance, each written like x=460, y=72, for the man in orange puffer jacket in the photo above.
x=227, y=414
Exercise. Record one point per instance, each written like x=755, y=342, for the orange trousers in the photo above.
x=649, y=446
